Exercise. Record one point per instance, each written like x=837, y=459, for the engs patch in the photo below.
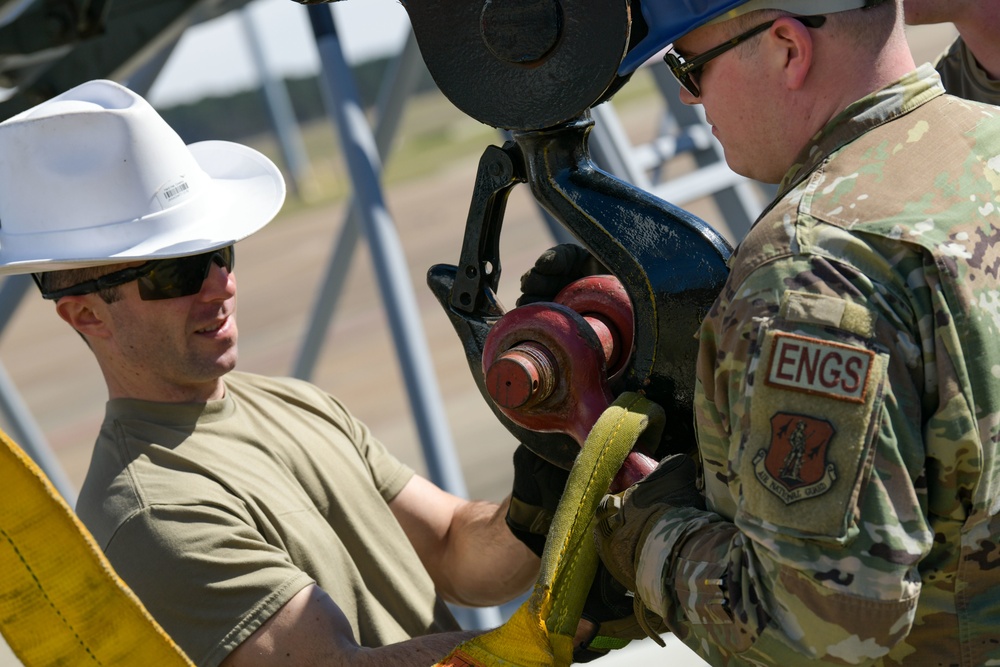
x=817, y=366
x=815, y=410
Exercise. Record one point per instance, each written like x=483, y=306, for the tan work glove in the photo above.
x=623, y=520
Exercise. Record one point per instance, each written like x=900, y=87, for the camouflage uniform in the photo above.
x=962, y=75
x=848, y=407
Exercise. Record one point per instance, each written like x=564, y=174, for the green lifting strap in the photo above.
x=540, y=633
x=61, y=603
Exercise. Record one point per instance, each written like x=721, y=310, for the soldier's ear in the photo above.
x=86, y=313
x=791, y=50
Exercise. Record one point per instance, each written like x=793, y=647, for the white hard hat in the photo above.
x=96, y=176
x=797, y=7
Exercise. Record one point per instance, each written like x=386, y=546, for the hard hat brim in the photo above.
x=669, y=20
x=244, y=191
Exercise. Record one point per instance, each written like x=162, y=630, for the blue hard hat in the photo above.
x=669, y=20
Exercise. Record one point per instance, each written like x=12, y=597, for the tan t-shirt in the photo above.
x=217, y=514
x=963, y=77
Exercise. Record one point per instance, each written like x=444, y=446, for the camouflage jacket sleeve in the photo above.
x=817, y=521
x=846, y=416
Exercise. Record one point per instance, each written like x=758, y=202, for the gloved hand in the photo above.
x=608, y=616
x=538, y=486
x=623, y=520
x=554, y=269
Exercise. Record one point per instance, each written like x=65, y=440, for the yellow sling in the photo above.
x=540, y=633
x=60, y=601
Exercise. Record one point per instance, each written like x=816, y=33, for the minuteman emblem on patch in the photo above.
x=794, y=466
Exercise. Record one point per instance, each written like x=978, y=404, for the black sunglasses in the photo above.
x=158, y=278
x=688, y=72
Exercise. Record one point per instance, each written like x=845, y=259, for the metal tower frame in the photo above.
x=684, y=131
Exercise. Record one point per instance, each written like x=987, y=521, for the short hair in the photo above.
x=51, y=281
x=868, y=28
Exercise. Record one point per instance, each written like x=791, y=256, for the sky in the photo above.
x=215, y=57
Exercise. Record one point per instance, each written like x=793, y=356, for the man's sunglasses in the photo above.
x=688, y=72
x=158, y=278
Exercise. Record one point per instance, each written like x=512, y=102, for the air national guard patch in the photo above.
x=795, y=467
x=813, y=411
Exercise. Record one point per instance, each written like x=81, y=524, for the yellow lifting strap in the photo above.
x=540, y=633
x=61, y=603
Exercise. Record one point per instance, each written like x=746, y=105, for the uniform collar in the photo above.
x=897, y=99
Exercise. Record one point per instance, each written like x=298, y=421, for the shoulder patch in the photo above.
x=821, y=367
x=794, y=466
x=814, y=412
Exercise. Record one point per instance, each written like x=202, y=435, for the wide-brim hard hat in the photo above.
x=96, y=176
x=669, y=20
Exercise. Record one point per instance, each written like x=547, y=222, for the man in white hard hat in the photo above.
x=257, y=520
x=846, y=405
x=970, y=68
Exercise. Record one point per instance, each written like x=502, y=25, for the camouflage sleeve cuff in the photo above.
x=657, y=553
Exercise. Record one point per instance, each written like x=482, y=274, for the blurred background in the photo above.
x=218, y=79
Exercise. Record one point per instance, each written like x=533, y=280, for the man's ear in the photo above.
x=794, y=44
x=81, y=313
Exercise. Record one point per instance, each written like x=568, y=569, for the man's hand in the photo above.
x=607, y=621
x=607, y=613
x=554, y=269
x=538, y=486
x=624, y=520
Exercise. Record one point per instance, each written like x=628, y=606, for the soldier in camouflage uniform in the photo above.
x=970, y=68
x=848, y=395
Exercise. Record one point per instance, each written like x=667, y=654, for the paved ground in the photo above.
x=279, y=271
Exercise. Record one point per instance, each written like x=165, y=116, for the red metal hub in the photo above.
x=546, y=364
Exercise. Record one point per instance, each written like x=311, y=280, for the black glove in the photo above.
x=538, y=486
x=556, y=268
x=609, y=608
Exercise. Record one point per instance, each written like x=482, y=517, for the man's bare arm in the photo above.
x=312, y=630
x=466, y=547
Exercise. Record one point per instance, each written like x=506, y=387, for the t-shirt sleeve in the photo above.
x=388, y=473
x=206, y=575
